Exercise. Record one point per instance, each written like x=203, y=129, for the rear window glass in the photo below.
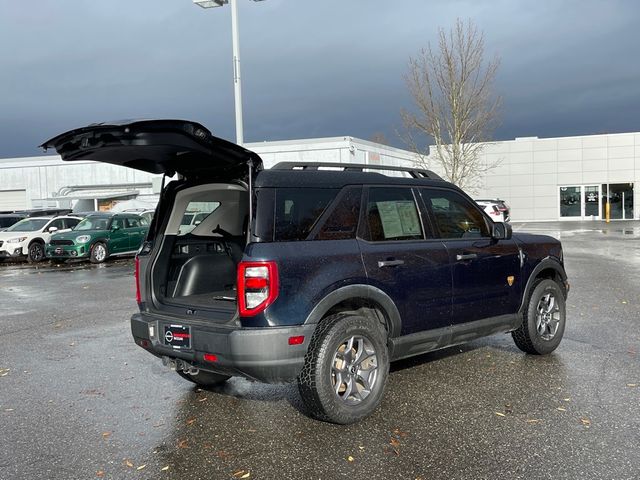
x=298, y=209
x=195, y=213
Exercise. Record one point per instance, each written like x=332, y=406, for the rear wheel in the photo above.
x=35, y=253
x=205, y=379
x=98, y=253
x=544, y=319
x=345, y=369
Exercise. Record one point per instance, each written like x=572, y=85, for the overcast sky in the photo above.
x=309, y=68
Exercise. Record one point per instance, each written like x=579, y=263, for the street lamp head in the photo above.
x=213, y=3
x=210, y=3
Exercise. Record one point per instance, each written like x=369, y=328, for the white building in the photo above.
x=541, y=179
x=47, y=181
x=566, y=178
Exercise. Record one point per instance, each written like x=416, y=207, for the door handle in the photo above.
x=389, y=263
x=466, y=256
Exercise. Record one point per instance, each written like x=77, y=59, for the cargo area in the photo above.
x=202, y=245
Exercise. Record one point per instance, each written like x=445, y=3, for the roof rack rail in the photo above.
x=356, y=167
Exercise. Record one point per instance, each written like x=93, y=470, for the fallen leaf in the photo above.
x=8, y=409
x=534, y=420
x=183, y=443
x=350, y=458
x=159, y=424
x=4, y=372
x=500, y=414
x=567, y=399
x=241, y=474
x=128, y=463
x=100, y=473
x=586, y=422
x=164, y=469
x=106, y=434
x=361, y=448
x=203, y=399
x=632, y=384
x=141, y=467
x=624, y=301
x=561, y=409
x=191, y=421
x=394, y=442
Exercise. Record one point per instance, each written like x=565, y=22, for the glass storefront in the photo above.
x=588, y=202
x=580, y=202
x=621, y=199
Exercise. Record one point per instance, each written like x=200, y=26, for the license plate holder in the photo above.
x=177, y=336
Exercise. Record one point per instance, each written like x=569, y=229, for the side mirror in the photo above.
x=52, y=229
x=501, y=231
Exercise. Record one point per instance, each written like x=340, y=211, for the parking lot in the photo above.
x=79, y=400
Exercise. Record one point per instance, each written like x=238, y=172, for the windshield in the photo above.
x=28, y=225
x=93, y=223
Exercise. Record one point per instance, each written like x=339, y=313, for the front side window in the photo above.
x=133, y=222
x=392, y=215
x=454, y=216
x=298, y=209
x=58, y=223
x=71, y=222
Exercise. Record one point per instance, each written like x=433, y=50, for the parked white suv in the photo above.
x=28, y=237
x=493, y=210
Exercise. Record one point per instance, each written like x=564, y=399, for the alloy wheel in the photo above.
x=354, y=369
x=547, y=316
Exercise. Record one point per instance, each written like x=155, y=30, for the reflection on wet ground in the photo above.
x=79, y=400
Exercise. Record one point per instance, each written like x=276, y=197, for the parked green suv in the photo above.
x=98, y=237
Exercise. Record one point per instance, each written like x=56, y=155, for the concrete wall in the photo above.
x=532, y=170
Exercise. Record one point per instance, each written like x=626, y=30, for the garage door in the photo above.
x=13, y=199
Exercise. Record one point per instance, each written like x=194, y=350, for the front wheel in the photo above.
x=98, y=253
x=544, y=319
x=346, y=368
x=205, y=379
x=35, y=253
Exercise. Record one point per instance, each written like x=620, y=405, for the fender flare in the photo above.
x=545, y=264
x=370, y=294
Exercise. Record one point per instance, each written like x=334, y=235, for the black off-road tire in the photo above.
x=205, y=379
x=526, y=337
x=95, y=256
x=35, y=252
x=315, y=380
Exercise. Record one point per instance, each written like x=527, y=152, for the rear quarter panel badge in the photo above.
x=510, y=279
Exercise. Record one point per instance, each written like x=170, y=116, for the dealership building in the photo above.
x=542, y=179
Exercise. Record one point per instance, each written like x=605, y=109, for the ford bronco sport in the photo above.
x=298, y=273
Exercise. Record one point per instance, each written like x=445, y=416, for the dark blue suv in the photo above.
x=317, y=273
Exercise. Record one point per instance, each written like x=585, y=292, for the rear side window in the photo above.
x=455, y=217
x=297, y=210
x=342, y=221
x=392, y=215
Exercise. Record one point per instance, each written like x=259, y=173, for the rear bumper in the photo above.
x=262, y=354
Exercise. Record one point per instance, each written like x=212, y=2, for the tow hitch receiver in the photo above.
x=178, y=365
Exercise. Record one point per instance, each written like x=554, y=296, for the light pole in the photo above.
x=236, y=58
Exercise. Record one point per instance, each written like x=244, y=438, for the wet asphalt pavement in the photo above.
x=79, y=400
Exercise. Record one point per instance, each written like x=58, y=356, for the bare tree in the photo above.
x=379, y=137
x=454, y=104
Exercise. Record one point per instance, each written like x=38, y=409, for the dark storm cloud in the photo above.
x=310, y=69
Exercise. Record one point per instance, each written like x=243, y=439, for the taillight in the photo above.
x=257, y=286
x=137, y=276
